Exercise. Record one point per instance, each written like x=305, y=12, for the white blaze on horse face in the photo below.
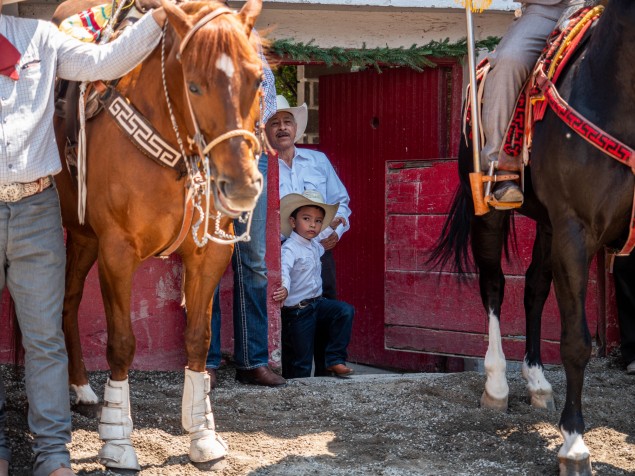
x=495, y=364
x=226, y=65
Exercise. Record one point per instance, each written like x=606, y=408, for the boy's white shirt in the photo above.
x=301, y=268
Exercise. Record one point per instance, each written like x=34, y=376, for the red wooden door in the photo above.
x=393, y=138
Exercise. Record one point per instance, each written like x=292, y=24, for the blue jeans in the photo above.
x=251, y=325
x=32, y=266
x=298, y=335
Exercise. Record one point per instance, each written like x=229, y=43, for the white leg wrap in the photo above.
x=85, y=394
x=538, y=386
x=198, y=420
x=115, y=428
x=496, y=388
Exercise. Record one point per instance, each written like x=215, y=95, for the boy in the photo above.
x=304, y=308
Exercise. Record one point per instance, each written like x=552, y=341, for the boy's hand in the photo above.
x=280, y=295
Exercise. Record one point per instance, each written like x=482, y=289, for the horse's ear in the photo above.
x=179, y=20
x=249, y=13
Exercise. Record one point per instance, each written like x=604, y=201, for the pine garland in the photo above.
x=415, y=57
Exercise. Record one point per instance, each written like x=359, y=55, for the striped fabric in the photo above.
x=87, y=25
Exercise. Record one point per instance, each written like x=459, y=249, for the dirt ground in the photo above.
x=410, y=424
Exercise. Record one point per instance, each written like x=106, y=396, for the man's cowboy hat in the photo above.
x=300, y=114
x=291, y=202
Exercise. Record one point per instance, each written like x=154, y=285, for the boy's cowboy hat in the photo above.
x=291, y=202
x=300, y=114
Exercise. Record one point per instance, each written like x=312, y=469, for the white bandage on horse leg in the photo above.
x=115, y=428
x=198, y=420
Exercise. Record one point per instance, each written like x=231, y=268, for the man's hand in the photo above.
x=280, y=295
x=159, y=16
x=337, y=221
x=330, y=242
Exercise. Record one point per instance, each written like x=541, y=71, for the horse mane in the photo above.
x=225, y=34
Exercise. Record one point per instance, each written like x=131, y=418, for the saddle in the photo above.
x=571, y=32
x=88, y=26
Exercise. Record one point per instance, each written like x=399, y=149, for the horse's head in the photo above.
x=222, y=72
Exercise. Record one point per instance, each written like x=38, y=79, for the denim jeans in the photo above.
x=251, y=325
x=32, y=266
x=298, y=334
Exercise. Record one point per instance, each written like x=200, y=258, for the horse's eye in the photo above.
x=194, y=88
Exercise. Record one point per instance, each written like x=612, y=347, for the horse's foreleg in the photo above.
x=202, y=275
x=117, y=263
x=537, y=285
x=487, y=246
x=570, y=272
x=81, y=253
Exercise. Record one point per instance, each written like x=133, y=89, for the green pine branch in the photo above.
x=415, y=57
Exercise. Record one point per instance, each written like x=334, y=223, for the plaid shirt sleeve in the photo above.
x=268, y=86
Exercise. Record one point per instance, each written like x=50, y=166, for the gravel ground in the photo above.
x=410, y=424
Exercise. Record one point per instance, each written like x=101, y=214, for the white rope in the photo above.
x=81, y=156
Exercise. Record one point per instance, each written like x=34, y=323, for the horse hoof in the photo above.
x=569, y=467
x=87, y=411
x=119, y=454
x=543, y=401
x=208, y=448
x=488, y=401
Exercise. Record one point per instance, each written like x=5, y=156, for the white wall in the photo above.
x=352, y=28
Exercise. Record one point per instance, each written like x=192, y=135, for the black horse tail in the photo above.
x=451, y=251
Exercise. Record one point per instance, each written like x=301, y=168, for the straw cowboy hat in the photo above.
x=300, y=114
x=291, y=202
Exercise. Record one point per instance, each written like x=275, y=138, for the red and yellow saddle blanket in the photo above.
x=531, y=103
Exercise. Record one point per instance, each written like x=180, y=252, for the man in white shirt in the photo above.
x=304, y=308
x=32, y=254
x=304, y=169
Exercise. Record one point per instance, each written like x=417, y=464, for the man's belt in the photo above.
x=14, y=191
x=302, y=304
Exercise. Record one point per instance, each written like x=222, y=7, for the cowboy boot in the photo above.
x=115, y=428
x=198, y=420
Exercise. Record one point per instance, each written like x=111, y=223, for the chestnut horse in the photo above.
x=204, y=76
x=581, y=199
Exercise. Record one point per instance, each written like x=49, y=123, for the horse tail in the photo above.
x=451, y=251
x=452, y=247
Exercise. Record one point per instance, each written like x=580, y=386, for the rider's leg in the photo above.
x=511, y=64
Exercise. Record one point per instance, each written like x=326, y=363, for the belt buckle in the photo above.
x=303, y=304
x=11, y=192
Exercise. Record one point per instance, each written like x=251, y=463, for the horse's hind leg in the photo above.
x=202, y=274
x=487, y=246
x=81, y=253
x=537, y=285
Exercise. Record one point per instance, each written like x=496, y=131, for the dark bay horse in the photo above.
x=582, y=200
x=204, y=77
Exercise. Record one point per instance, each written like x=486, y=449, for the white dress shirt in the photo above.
x=27, y=140
x=301, y=268
x=312, y=170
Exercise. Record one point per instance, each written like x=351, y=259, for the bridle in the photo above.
x=198, y=184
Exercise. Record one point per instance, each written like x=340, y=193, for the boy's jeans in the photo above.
x=298, y=333
x=251, y=326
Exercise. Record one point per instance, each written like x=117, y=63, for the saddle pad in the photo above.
x=87, y=25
